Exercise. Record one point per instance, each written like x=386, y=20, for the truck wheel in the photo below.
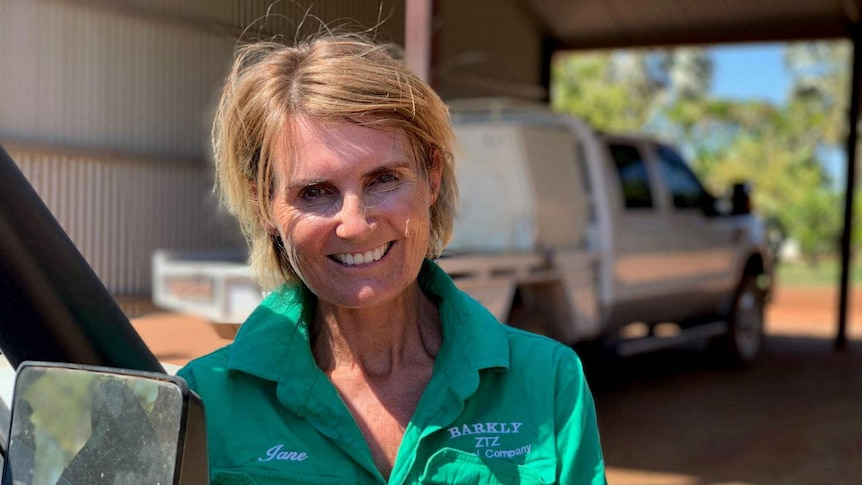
x=745, y=334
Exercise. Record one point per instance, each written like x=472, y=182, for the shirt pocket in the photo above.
x=268, y=477
x=449, y=465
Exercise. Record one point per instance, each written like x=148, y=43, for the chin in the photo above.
x=365, y=295
x=369, y=297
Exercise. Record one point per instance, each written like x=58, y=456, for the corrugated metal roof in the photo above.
x=580, y=24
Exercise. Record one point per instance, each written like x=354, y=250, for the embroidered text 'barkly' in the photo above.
x=484, y=428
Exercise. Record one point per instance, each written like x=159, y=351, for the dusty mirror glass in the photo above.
x=73, y=426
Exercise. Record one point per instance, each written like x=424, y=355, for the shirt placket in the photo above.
x=442, y=403
x=319, y=404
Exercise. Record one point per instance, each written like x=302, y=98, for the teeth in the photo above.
x=362, y=258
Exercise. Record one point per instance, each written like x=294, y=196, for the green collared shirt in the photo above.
x=502, y=405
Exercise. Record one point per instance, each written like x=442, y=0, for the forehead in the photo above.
x=307, y=146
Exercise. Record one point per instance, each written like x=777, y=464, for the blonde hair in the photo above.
x=342, y=77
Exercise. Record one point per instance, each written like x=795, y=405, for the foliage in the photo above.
x=776, y=147
x=586, y=86
x=821, y=74
x=826, y=273
x=621, y=91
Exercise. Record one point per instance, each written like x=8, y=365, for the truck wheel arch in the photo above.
x=745, y=335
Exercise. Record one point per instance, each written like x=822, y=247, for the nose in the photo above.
x=354, y=219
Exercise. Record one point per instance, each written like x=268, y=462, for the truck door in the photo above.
x=703, y=241
x=642, y=246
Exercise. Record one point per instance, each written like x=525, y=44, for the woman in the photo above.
x=365, y=364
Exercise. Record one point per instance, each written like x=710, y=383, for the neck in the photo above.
x=377, y=341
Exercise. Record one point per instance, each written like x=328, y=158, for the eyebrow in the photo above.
x=393, y=165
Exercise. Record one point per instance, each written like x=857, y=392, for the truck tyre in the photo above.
x=743, y=341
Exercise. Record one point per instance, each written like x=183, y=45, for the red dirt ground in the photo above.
x=676, y=418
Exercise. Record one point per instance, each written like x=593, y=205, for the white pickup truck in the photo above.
x=582, y=236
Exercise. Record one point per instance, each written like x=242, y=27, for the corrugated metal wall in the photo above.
x=107, y=106
x=137, y=76
x=85, y=77
x=118, y=211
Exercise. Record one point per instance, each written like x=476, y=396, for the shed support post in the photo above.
x=849, y=191
x=417, y=37
x=549, y=47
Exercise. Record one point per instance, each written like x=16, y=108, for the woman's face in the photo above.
x=353, y=204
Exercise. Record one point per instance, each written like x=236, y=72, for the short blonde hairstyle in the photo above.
x=338, y=77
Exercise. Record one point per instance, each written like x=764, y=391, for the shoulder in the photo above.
x=206, y=370
x=537, y=355
x=524, y=338
x=523, y=343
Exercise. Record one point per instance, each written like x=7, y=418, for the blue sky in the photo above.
x=751, y=71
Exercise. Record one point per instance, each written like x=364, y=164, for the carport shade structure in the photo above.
x=601, y=24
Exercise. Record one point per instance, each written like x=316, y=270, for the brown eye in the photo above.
x=312, y=193
x=386, y=178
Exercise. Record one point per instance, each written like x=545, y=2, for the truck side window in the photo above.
x=683, y=185
x=634, y=178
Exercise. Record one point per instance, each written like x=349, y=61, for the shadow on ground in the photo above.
x=794, y=417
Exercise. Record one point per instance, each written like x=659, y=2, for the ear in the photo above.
x=435, y=176
x=262, y=215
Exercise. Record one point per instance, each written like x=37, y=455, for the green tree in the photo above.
x=625, y=91
x=819, y=95
x=591, y=88
x=821, y=81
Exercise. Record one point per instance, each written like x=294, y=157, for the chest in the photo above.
x=321, y=439
x=382, y=410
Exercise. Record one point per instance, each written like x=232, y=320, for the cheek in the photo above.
x=299, y=233
x=412, y=201
x=417, y=222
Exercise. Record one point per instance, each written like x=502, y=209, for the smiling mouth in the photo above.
x=355, y=259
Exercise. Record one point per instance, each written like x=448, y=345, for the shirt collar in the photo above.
x=274, y=342
x=277, y=328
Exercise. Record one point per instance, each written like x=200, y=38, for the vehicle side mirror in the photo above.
x=740, y=199
x=709, y=205
x=73, y=424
